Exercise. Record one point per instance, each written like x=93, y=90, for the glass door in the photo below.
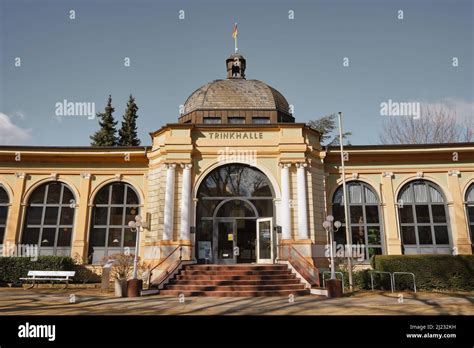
x=225, y=242
x=264, y=241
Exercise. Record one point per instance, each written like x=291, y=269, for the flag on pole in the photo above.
x=235, y=32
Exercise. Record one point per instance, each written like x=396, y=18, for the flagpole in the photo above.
x=346, y=206
x=235, y=37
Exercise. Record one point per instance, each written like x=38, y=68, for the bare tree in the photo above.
x=436, y=124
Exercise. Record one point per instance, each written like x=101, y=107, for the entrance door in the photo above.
x=225, y=242
x=264, y=240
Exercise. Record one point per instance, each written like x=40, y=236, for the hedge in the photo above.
x=432, y=272
x=13, y=268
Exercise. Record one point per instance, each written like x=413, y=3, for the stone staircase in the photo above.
x=241, y=280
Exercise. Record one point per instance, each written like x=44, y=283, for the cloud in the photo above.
x=464, y=109
x=11, y=134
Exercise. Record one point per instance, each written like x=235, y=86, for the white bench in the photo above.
x=59, y=276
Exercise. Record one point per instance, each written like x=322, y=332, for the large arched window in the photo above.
x=4, y=203
x=423, y=219
x=50, y=219
x=470, y=212
x=364, y=217
x=114, y=206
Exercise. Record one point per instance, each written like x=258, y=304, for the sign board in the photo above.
x=204, y=249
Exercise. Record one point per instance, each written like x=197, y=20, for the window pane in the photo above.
x=54, y=189
x=38, y=195
x=67, y=196
x=439, y=213
x=236, y=120
x=98, y=237
x=356, y=215
x=100, y=216
x=355, y=193
x=31, y=236
x=340, y=236
x=103, y=196
x=338, y=213
x=47, y=238
x=358, y=235
x=2, y=234
x=212, y=120
x=131, y=212
x=374, y=251
x=424, y=235
x=264, y=207
x=64, y=237
x=373, y=235
x=3, y=196
x=51, y=216
x=422, y=214
x=116, y=216
x=441, y=235
x=3, y=215
x=34, y=215
x=260, y=120
x=129, y=239
x=421, y=192
x=67, y=216
x=372, y=214
x=118, y=193
x=115, y=237
x=408, y=234
x=406, y=214
x=132, y=197
x=470, y=212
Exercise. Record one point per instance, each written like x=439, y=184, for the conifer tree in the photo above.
x=128, y=133
x=106, y=135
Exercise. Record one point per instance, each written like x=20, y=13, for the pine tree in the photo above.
x=128, y=133
x=106, y=135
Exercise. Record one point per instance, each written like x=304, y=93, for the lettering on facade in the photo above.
x=235, y=135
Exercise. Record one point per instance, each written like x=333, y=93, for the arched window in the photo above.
x=50, y=219
x=423, y=219
x=114, y=206
x=470, y=212
x=4, y=203
x=364, y=217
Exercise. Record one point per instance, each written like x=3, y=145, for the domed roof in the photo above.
x=236, y=93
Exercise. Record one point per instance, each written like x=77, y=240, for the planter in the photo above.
x=134, y=287
x=120, y=287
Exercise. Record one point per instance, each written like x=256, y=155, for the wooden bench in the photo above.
x=52, y=276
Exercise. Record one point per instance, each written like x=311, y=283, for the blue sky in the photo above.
x=82, y=60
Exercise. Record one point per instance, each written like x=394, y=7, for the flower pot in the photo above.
x=120, y=287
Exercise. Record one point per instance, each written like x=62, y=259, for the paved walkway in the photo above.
x=92, y=301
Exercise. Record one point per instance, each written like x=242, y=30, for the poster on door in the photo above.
x=204, y=249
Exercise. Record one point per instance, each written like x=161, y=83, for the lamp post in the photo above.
x=134, y=285
x=331, y=226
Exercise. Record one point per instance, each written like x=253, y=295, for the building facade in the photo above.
x=232, y=180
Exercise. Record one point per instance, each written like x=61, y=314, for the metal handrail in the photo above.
x=168, y=270
x=406, y=273
x=311, y=279
x=381, y=272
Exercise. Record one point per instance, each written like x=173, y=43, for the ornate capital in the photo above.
x=86, y=176
x=387, y=174
x=20, y=175
x=186, y=165
x=419, y=175
x=170, y=165
x=284, y=165
x=301, y=165
x=454, y=173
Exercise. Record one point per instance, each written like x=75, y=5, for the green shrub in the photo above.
x=432, y=272
x=13, y=268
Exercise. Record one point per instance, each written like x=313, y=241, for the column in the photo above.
x=79, y=244
x=185, y=202
x=12, y=231
x=389, y=208
x=285, y=201
x=302, y=201
x=457, y=217
x=169, y=202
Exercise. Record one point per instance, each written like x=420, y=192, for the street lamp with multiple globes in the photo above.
x=331, y=226
x=136, y=226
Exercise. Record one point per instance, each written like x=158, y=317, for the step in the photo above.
x=235, y=277
x=234, y=287
x=285, y=293
x=236, y=282
x=235, y=267
x=239, y=272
